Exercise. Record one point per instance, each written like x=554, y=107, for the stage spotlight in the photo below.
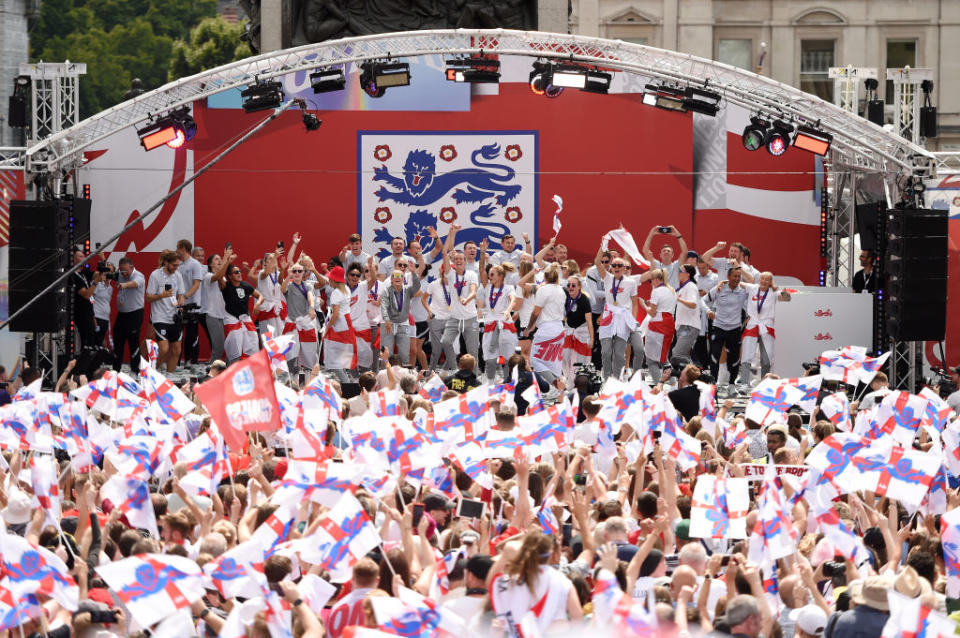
x=701, y=101
x=664, y=97
x=173, y=130
x=755, y=133
x=540, y=80
x=327, y=80
x=778, y=138
x=262, y=96
x=812, y=140
x=473, y=70
x=377, y=77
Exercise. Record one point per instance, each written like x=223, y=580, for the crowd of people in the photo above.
x=495, y=502
x=427, y=310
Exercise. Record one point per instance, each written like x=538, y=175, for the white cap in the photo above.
x=810, y=618
x=18, y=509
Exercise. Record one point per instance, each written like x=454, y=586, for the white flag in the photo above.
x=556, y=215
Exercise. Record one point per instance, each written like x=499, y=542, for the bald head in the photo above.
x=683, y=576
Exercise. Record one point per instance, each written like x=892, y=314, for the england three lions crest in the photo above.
x=486, y=183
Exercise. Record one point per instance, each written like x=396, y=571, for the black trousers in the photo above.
x=102, y=326
x=86, y=328
x=126, y=332
x=731, y=339
x=596, y=357
x=701, y=348
x=191, y=337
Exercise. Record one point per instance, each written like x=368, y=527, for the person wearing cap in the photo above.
x=437, y=507
x=666, y=261
x=870, y=614
x=18, y=511
x=809, y=621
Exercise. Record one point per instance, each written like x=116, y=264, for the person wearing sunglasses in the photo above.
x=301, y=320
x=499, y=329
x=578, y=340
x=619, y=313
x=592, y=284
x=358, y=283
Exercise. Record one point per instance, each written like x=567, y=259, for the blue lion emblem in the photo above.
x=486, y=184
x=421, y=185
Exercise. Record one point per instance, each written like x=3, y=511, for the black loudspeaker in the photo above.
x=875, y=112
x=17, y=113
x=928, y=121
x=92, y=359
x=916, y=267
x=38, y=256
x=78, y=211
x=866, y=218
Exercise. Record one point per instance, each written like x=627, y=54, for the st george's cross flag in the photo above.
x=29, y=569
x=770, y=401
x=154, y=586
x=836, y=408
x=131, y=495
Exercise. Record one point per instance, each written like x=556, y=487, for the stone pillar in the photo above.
x=552, y=16
x=589, y=14
x=271, y=25
x=14, y=51
x=670, y=11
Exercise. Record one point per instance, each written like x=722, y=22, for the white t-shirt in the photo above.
x=501, y=298
x=350, y=259
x=162, y=310
x=373, y=304
x=526, y=308
x=101, y=300
x=551, y=299
x=212, y=297
x=688, y=316
x=438, y=302
x=501, y=256
x=269, y=287
x=191, y=270
x=626, y=289
x=672, y=269
x=342, y=301
x=760, y=306
x=458, y=310
x=386, y=266
x=358, y=306
x=665, y=300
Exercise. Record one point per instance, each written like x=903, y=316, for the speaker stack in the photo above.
x=41, y=233
x=916, y=269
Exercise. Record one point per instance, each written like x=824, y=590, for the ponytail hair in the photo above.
x=534, y=552
x=661, y=274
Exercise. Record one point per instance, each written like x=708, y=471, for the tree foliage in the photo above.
x=212, y=42
x=154, y=40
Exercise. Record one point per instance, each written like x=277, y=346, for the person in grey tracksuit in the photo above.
x=395, y=301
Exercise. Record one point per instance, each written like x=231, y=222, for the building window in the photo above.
x=643, y=41
x=736, y=52
x=900, y=53
x=816, y=58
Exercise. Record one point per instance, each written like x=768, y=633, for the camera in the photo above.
x=833, y=569
x=594, y=379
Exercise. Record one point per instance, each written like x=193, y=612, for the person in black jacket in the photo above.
x=686, y=398
x=525, y=379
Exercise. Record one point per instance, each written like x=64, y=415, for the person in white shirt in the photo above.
x=661, y=327
x=525, y=292
x=460, y=293
x=619, y=313
x=670, y=265
x=212, y=307
x=388, y=263
x=549, y=309
x=353, y=252
x=359, y=287
x=340, y=342
x=687, y=319
x=500, y=301
x=509, y=251
x=734, y=259
x=271, y=315
x=102, y=296
x=191, y=271
x=761, y=307
x=438, y=312
x=706, y=280
x=165, y=295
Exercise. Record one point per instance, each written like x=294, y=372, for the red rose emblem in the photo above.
x=513, y=152
x=383, y=152
x=382, y=215
x=448, y=152
x=513, y=214
x=448, y=215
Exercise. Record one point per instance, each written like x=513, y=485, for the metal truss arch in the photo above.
x=858, y=144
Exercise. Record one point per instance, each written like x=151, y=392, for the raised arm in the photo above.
x=598, y=262
x=647, y=253
x=527, y=244
x=683, y=245
x=539, y=256
x=707, y=256
x=482, y=268
x=437, y=244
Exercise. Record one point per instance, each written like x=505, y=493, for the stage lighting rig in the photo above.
x=664, y=96
x=326, y=80
x=812, y=139
x=701, y=101
x=262, y=95
x=474, y=70
x=574, y=76
x=777, y=139
x=310, y=121
x=540, y=80
x=376, y=77
x=173, y=130
x=755, y=133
